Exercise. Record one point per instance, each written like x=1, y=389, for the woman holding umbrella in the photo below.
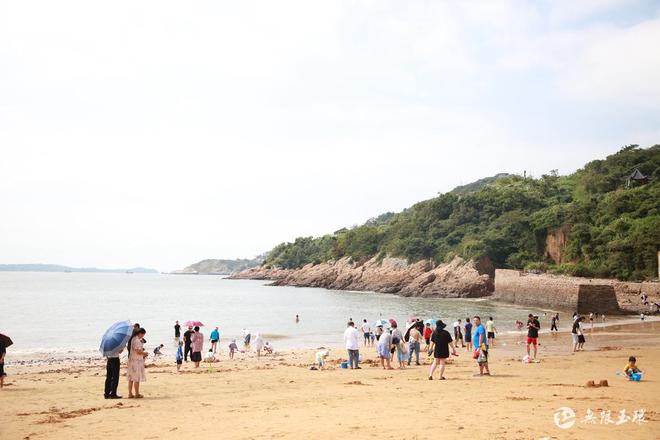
x=136, y=370
x=440, y=343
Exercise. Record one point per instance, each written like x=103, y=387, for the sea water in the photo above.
x=67, y=313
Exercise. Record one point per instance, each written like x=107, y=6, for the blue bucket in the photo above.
x=636, y=377
x=344, y=365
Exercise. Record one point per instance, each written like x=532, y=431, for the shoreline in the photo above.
x=278, y=396
x=87, y=357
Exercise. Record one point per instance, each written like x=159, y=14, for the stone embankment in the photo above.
x=457, y=279
x=585, y=295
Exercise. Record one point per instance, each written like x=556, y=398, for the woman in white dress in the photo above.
x=136, y=371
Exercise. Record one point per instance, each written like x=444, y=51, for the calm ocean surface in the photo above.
x=66, y=313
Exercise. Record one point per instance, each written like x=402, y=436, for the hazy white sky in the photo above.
x=161, y=133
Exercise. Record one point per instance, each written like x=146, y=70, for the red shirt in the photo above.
x=427, y=332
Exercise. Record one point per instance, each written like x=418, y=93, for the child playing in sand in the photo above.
x=268, y=348
x=321, y=356
x=631, y=367
x=179, y=356
x=157, y=352
x=233, y=348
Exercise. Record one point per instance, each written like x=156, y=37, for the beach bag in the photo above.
x=395, y=340
x=475, y=354
x=482, y=357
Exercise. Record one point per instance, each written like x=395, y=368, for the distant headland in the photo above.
x=59, y=268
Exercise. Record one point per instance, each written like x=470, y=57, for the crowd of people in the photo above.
x=391, y=343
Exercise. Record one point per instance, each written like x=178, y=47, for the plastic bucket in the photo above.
x=344, y=365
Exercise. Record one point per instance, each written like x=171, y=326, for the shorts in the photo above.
x=532, y=341
x=427, y=340
x=196, y=356
x=179, y=361
x=2, y=370
x=575, y=338
x=468, y=339
x=491, y=335
x=581, y=339
x=213, y=341
x=367, y=336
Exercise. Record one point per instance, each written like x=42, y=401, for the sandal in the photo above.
x=130, y=396
x=139, y=396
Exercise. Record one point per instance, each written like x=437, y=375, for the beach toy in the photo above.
x=344, y=365
x=636, y=377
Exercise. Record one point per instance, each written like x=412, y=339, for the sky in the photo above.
x=160, y=133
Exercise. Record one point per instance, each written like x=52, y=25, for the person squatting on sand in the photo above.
x=441, y=341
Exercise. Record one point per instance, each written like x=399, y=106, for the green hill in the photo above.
x=611, y=229
x=224, y=267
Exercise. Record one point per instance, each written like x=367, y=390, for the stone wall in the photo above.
x=582, y=294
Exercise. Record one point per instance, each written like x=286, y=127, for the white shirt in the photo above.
x=351, y=338
x=366, y=328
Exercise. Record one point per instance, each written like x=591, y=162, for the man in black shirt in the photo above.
x=177, y=332
x=533, y=326
x=187, y=348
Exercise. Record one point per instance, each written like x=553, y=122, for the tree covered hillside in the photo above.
x=612, y=230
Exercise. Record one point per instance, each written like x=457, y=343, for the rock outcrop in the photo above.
x=457, y=279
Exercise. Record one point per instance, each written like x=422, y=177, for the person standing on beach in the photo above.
x=187, y=343
x=533, y=326
x=414, y=343
x=378, y=331
x=468, y=334
x=246, y=339
x=258, y=344
x=398, y=345
x=383, y=349
x=553, y=322
x=179, y=356
x=351, y=339
x=112, y=376
x=366, y=332
x=440, y=343
x=481, y=346
x=458, y=333
x=136, y=371
x=490, y=330
x=577, y=334
x=197, y=345
x=177, y=332
x=427, y=336
x=214, y=338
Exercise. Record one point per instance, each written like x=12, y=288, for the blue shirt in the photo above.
x=479, y=330
x=179, y=353
x=215, y=335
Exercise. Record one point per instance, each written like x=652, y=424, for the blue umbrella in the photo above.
x=381, y=323
x=430, y=321
x=115, y=338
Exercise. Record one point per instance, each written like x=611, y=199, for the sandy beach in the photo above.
x=279, y=397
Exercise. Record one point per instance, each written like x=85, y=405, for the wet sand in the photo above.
x=279, y=397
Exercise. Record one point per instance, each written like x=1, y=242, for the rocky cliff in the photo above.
x=457, y=279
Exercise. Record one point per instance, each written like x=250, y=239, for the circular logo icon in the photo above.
x=564, y=417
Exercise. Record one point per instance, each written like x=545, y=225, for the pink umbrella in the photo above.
x=193, y=324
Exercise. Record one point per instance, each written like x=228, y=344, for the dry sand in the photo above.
x=279, y=397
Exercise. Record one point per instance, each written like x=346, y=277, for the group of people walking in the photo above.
x=408, y=344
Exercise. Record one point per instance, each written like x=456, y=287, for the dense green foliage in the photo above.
x=614, y=231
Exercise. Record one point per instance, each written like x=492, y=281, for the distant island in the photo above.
x=59, y=268
x=220, y=267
